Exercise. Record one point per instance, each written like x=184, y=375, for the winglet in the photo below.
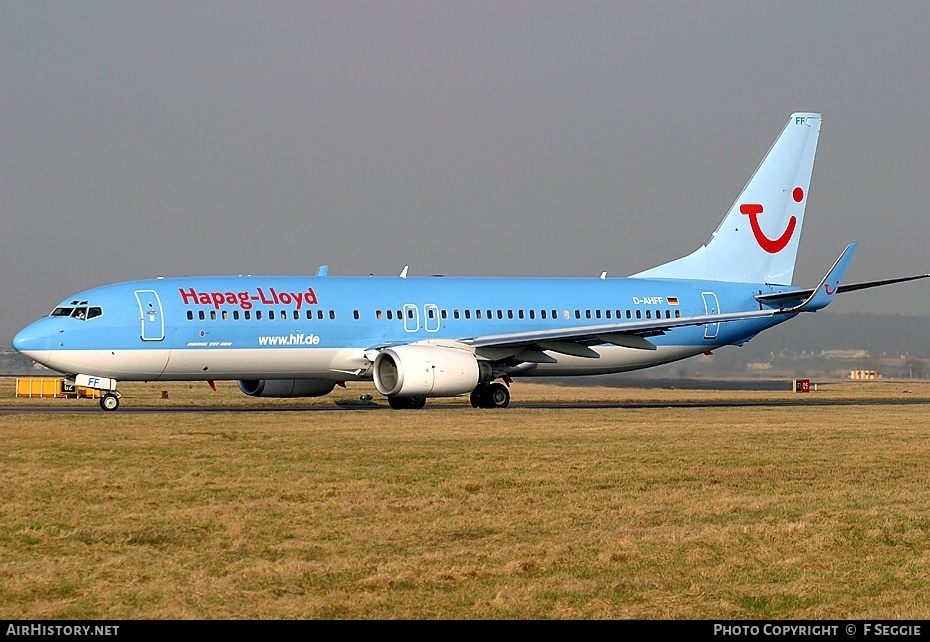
x=823, y=293
x=323, y=270
x=403, y=273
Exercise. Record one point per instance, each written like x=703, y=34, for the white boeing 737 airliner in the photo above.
x=299, y=336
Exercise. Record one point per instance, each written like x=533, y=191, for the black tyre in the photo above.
x=109, y=401
x=497, y=396
x=476, y=395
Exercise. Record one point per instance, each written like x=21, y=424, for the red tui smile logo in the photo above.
x=772, y=246
x=830, y=291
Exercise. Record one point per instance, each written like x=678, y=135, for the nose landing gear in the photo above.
x=110, y=401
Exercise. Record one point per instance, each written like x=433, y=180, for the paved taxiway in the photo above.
x=93, y=407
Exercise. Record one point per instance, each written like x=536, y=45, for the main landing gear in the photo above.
x=485, y=395
x=490, y=395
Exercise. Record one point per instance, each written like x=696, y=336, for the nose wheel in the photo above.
x=109, y=401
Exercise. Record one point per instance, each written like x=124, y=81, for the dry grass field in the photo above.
x=765, y=512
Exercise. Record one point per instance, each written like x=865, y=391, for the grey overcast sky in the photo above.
x=464, y=138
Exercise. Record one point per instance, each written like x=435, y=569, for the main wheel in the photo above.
x=109, y=401
x=476, y=395
x=497, y=396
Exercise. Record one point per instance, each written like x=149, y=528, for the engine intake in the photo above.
x=286, y=387
x=427, y=371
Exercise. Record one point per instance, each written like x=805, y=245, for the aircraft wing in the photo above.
x=780, y=298
x=632, y=334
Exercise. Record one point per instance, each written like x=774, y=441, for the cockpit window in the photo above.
x=83, y=312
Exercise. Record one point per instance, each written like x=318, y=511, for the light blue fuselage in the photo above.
x=320, y=327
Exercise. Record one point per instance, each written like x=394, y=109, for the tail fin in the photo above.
x=757, y=241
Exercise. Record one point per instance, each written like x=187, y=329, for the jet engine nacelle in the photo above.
x=286, y=387
x=427, y=371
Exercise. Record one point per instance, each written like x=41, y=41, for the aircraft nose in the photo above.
x=34, y=341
